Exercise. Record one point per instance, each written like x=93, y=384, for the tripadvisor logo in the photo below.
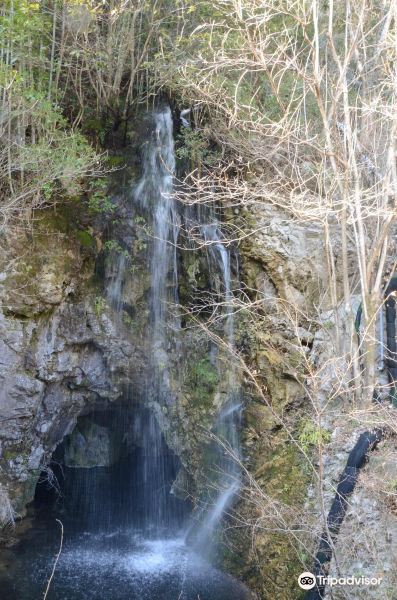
x=306, y=580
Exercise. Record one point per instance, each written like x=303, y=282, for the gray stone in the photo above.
x=89, y=445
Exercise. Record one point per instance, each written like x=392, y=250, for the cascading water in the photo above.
x=134, y=547
x=226, y=430
x=154, y=194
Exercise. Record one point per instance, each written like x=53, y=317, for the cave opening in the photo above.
x=114, y=470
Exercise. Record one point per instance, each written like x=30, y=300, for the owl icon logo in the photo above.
x=306, y=580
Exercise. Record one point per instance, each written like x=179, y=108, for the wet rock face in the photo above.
x=66, y=350
x=64, y=353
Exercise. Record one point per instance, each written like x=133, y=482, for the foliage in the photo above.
x=193, y=146
x=99, y=304
x=193, y=269
x=99, y=202
x=128, y=320
x=117, y=248
x=202, y=380
x=85, y=238
x=312, y=435
x=41, y=153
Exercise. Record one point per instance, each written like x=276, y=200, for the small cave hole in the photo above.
x=113, y=470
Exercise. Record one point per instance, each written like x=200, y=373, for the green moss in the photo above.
x=192, y=271
x=85, y=239
x=11, y=453
x=311, y=435
x=61, y=247
x=65, y=217
x=99, y=304
x=115, y=162
x=280, y=473
x=203, y=379
x=195, y=273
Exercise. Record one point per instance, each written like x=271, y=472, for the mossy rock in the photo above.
x=86, y=239
x=202, y=380
x=283, y=474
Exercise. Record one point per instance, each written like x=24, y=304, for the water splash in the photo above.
x=123, y=566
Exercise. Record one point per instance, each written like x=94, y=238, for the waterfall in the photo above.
x=226, y=430
x=124, y=529
x=154, y=193
x=221, y=256
x=156, y=512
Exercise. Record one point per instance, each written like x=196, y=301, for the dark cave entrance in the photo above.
x=123, y=531
x=113, y=471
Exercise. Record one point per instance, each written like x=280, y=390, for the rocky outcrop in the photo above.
x=61, y=352
x=283, y=259
x=67, y=351
x=52, y=371
x=89, y=445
